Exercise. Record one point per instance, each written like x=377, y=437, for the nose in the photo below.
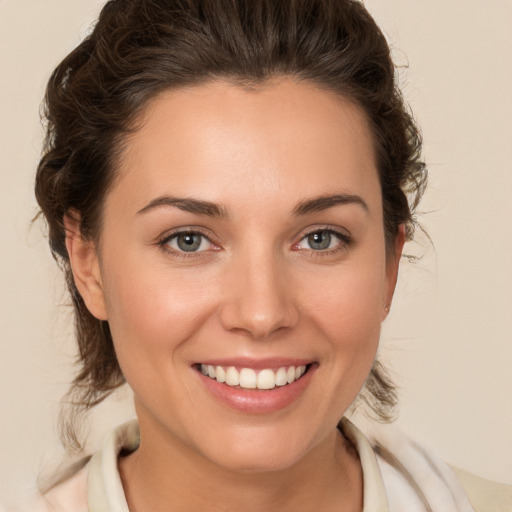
x=259, y=300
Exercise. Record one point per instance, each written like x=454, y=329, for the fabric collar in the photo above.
x=105, y=489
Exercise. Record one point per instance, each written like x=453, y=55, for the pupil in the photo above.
x=189, y=242
x=320, y=240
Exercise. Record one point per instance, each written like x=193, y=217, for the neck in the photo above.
x=165, y=475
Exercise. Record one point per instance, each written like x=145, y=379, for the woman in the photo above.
x=225, y=184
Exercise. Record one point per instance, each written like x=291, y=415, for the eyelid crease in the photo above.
x=330, y=229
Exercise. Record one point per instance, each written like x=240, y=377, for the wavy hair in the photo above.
x=139, y=48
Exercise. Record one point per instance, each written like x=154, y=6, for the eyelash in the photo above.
x=344, y=242
x=163, y=243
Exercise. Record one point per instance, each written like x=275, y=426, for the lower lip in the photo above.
x=256, y=401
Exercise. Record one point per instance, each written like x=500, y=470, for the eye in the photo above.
x=323, y=240
x=187, y=242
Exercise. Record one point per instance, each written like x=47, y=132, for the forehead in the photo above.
x=216, y=139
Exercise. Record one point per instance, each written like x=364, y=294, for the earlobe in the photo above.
x=392, y=267
x=85, y=266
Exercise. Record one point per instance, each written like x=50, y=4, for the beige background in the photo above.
x=449, y=336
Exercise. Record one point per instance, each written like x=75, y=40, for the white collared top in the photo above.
x=398, y=476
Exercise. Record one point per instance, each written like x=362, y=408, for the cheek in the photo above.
x=341, y=315
x=153, y=312
x=348, y=302
x=347, y=311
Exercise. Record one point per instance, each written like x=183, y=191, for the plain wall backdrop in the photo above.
x=449, y=336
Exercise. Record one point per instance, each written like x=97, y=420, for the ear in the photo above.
x=85, y=266
x=392, y=266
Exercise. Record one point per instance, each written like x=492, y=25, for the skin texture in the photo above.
x=255, y=289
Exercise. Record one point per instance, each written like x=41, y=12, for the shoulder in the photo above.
x=68, y=495
x=408, y=468
x=95, y=483
x=485, y=495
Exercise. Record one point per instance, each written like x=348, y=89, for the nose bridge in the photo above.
x=260, y=298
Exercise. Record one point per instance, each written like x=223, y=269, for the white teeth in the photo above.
x=281, y=379
x=232, y=377
x=220, y=374
x=266, y=379
x=248, y=378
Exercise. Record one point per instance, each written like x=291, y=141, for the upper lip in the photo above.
x=256, y=364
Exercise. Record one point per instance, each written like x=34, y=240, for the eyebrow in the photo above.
x=188, y=205
x=317, y=204
x=210, y=209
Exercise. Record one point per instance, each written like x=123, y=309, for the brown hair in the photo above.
x=139, y=48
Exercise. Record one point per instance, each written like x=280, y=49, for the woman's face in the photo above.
x=244, y=236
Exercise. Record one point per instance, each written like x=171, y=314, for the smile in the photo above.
x=256, y=386
x=248, y=378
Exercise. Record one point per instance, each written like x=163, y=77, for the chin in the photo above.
x=256, y=461
x=257, y=450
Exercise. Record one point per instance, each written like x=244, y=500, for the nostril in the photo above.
x=259, y=302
